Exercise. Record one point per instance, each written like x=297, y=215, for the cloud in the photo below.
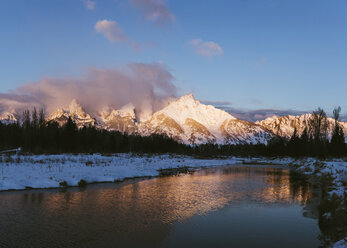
x=154, y=10
x=217, y=103
x=146, y=86
x=89, y=4
x=113, y=33
x=206, y=48
x=344, y=117
x=261, y=114
x=253, y=115
x=111, y=30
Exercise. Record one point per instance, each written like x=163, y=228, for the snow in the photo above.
x=284, y=125
x=75, y=112
x=341, y=244
x=46, y=171
x=207, y=115
x=7, y=118
x=126, y=111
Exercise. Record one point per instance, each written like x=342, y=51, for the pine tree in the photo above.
x=337, y=143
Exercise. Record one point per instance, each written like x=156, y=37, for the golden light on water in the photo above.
x=177, y=198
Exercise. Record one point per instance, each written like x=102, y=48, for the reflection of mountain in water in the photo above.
x=139, y=213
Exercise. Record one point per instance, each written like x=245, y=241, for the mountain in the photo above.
x=122, y=120
x=244, y=132
x=7, y=118
x=284, y=126
x=73, y=111
x=192, y=122
x=185, y=119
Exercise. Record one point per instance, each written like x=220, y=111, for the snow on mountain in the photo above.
x=122, y=120
x=284, y=126
x=244, y=132
x=7, y=118
x=73, y=111
x=192, y=122
x=188, y=120
x=184, y=119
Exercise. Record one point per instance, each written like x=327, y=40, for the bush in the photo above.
x=63, y=184
x=82, y=183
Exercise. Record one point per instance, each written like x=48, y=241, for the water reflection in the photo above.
x=141, y=213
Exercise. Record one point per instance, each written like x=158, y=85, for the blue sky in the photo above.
x=260, y=54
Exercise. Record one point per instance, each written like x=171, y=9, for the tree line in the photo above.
x=35, y=135
x=315, y=140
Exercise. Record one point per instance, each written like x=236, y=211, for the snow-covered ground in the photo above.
x=48, y=171
x=337, y=168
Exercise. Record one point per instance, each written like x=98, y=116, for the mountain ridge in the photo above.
x=186, y=120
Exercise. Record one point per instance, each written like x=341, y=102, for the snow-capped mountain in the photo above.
x=192, y=122
x=284, y=126
x=7, y=118
x=122, y=120
x=73, y=111
x=185, y=119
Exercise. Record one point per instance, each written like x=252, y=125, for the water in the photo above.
x=219, y=207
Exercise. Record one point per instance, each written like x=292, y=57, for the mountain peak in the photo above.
x=7, y=118
x=73, y=111
x=187, y=99
x=75, y=108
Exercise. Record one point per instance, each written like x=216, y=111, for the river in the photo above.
x=230, y=206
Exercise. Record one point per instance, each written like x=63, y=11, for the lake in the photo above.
x=246, y=206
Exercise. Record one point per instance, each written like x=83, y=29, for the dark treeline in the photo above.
x=33, y=134
x=314, y=140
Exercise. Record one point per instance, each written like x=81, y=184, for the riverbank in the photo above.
x=50, y=171
x=19, y=172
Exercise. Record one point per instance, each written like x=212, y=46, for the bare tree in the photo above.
x=318, y=125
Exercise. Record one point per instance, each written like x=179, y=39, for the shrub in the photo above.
x=63, y=184
x=82, y=183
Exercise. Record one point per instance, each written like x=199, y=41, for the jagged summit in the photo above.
x=185, y=119
x=7, y=118
x=192, y=122
x=123, y=120
x=73, y=111
x=284, y=125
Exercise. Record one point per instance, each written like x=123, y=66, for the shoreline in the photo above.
x=20, y=173
x=29, y=172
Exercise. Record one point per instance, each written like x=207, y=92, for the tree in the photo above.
x=34, y=119
x=26, y=119
x=318, y=132
x=42, y=119
x=337, y=143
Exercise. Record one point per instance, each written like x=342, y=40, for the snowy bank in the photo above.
x=48, y=171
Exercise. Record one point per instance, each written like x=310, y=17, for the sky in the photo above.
x=245, y=55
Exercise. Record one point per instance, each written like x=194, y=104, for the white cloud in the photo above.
x=154, y=10
x=89, y=4
x=206, y=48
x=111, y=30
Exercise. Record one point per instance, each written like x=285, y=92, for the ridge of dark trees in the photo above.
x=33, y=134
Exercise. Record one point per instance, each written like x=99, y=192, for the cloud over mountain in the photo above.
x=146, y=86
